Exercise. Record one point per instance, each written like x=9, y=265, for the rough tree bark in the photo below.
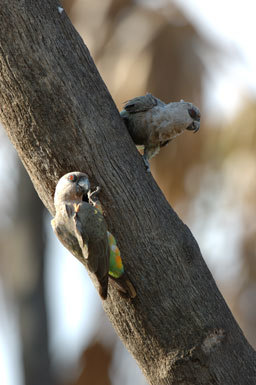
x=60, y=117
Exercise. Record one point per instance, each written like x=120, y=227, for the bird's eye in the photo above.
x=194, y=114
x=72, y=178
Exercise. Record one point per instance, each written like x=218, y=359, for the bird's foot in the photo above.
x=92, y=195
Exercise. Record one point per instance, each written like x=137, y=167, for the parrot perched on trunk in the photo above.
x=153, y=124
x=82, y=229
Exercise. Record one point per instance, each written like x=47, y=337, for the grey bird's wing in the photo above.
x=91, y=232
x=136, y=116
x=141, y=103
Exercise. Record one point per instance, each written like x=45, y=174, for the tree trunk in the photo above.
x=60, y=117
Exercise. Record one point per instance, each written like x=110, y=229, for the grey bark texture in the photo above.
x=60, y=117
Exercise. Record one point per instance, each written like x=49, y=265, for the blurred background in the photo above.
x=52, y=328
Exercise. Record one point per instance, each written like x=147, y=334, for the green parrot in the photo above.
x=80, y=226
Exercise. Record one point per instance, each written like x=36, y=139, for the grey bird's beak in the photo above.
x=84, y=185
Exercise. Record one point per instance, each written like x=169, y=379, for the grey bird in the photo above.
x=81, y=228
x=153, y=124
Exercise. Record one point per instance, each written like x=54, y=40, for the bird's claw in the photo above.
x=93, y=194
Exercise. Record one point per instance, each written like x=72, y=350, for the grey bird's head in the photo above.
x=72, y=187
x=182, y=116
x=195, y=116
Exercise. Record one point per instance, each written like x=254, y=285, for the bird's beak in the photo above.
x=194, y=126
x=83, y=185
x=195, y=115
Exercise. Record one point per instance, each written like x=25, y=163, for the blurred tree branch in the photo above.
x=60, y=117
x=27, y=282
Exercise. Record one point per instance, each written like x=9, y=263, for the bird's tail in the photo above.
x=124, y=286
x=103, y=289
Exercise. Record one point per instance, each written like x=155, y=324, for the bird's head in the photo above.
x=183, y=116
x=73, y=186
x=195, y=116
